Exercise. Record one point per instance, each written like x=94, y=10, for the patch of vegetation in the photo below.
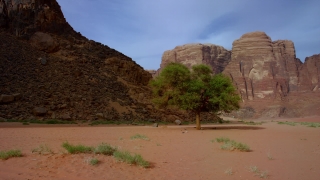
x=311, y=124
x=222, y=139
x=229, y=171
x=94, y=161
x=185, y=123
x=252, y=123
x=308, y=124
x=25, y=123
x=221, y=121
x=232, y=145
x=42, y=149
x=254, y=169
x=95, y=123
x=269, y=156
x=139, y=136
x=125, y=156
x=287, y=123
x=74, y=149
x=105, y=149
x=4, y=155
x=261, y=174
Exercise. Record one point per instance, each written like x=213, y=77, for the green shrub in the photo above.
x=74, y=149
x=311, y=124
x=140, y=136
x=252, y=123
x=94, y=161
x=222, y=139
x=232, y=145
x=288, y=123
x=105, y=149
x=11, y=153
x=125, y=156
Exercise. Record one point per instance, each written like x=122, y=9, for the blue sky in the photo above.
x=144, y=29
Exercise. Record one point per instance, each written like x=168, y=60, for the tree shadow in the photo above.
x=232, y=127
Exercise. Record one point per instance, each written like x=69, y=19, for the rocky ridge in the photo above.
x=49, y=71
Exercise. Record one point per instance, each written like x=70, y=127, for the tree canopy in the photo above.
x=196, y=90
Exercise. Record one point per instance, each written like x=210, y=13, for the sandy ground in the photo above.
x=175, y=152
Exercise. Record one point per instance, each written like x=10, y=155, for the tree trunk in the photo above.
x=198, y=120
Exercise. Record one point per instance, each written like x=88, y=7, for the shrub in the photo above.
x=288, y=123
x=94, y=161
x=231, y=144
x=125, y=156
x=74, y=149
x=105, y=149
x=222, y=139
x=11, y=153
x=140, y=136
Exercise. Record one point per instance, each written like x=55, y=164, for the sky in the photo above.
x=144, y=29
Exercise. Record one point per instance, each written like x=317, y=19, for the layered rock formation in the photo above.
x=261, y=68
x=271, y=81
x=190, y=54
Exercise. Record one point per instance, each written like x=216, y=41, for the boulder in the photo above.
x=100, y=115
x=6, y=98
x=177, y=122
x=44, y=42
x=65, y=116
x=17, y=96
x=39, y=111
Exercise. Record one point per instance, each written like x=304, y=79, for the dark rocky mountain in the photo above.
x=49, y=71
x=272, y=82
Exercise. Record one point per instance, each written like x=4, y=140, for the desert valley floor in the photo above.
x=175, y=152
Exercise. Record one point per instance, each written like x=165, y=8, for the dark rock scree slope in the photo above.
x=49, y=71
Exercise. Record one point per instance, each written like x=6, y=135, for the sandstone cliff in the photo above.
x=271, y=81
x=190, y=54
x=261, y=68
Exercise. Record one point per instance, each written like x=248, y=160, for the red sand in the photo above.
x=175, y=152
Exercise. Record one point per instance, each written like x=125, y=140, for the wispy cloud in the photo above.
x=144, y=29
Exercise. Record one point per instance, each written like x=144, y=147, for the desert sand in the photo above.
x=175, y=152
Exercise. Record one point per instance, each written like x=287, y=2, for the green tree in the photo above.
x=196, y=90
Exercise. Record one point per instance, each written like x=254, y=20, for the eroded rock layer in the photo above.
x=269, y=77
x=271, y=81
x=190, y=54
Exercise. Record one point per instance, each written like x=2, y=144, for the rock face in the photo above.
x=271, y=81
x=261, y=68
x=191, y=54
x=45, y=63
x=310, y=74
x=269, y=77
x=25, y=17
